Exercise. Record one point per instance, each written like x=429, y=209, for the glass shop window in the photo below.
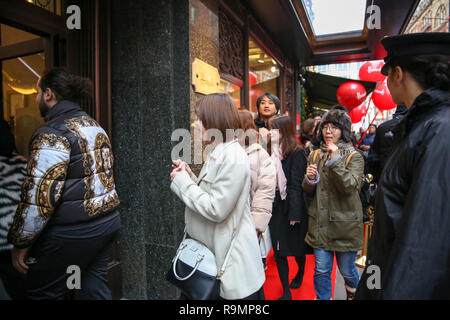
x=233, y=91
x=264, y=74
x=50, y=5
x=18, y=85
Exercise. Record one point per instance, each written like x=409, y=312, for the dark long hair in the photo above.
x=430, y=71
x=288, y=135
x=66, y=85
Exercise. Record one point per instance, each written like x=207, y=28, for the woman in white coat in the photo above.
x=217, y=201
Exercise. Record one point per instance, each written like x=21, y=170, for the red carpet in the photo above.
x=272, y=286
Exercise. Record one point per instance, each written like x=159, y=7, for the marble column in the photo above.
x=150, y=67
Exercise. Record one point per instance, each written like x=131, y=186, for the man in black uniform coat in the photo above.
x=409, y=252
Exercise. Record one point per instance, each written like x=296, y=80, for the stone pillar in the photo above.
x=150, y=99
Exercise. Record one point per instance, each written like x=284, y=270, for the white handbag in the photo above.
x=194, y=270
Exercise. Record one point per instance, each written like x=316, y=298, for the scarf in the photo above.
x=345, y=148
x=276, y=160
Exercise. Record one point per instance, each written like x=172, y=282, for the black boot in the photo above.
x=298, y=280
x=350, y=292
x=283, y=273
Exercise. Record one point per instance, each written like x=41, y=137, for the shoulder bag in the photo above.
x=194, y=270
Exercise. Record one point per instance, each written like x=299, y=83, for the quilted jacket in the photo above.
x=262, y=192
x=69, y=175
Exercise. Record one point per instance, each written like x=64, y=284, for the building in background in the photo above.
x=342, y=70
x=430, y=16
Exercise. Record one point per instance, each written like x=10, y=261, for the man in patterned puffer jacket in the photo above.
x=68, y=217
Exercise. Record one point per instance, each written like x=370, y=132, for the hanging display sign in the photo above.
x=205, y=78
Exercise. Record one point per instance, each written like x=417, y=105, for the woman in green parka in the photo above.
x=334, y=178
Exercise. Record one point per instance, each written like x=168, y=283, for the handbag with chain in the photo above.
x=194, y=270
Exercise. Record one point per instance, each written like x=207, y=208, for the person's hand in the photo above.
x=333, y=150
x=18, y=259
x=293, y=223
x=180, y=163
x=178, y=167
x=311, y=172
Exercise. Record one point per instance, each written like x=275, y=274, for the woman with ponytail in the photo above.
x=409, y=248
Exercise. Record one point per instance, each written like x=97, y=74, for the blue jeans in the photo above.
x=324, y=266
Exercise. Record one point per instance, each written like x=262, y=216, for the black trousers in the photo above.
x=13, y=281
x=87, y=247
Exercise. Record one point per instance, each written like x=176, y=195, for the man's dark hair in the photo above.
x=430, y=71
x=316, y=114
x=66, y=85
x=272, y=97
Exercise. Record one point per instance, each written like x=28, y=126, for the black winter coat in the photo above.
x=410, y=242
x=384, y=142
x=286, y=239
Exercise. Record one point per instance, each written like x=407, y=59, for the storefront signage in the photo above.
x=205, y=78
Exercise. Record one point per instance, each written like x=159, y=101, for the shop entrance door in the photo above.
x=33, y=38
x=22, y=63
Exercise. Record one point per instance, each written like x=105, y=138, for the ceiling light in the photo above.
x=261, y=58
x=24, y=91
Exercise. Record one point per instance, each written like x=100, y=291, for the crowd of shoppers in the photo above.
x=63, y=209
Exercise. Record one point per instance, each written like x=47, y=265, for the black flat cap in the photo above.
x=415, y=44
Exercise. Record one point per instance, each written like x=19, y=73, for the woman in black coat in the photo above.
x=288, y=225
x=409, y=252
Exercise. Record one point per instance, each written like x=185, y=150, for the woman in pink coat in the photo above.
x=262, y=174
x=262, y=171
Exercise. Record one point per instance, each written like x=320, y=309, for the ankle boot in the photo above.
x=350, y=292
x=298, y=279
x=286, y=295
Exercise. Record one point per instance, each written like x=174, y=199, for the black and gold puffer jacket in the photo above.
x=69, y=175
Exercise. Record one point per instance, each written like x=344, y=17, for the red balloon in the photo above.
x=356, y=114
x=382, y=98
x=371, y=71
x=351, y=94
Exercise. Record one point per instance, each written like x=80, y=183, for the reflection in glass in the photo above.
x=233, y=91
x=10, y=35
x=20, y=110
x=263, y=74
x=50, y=5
